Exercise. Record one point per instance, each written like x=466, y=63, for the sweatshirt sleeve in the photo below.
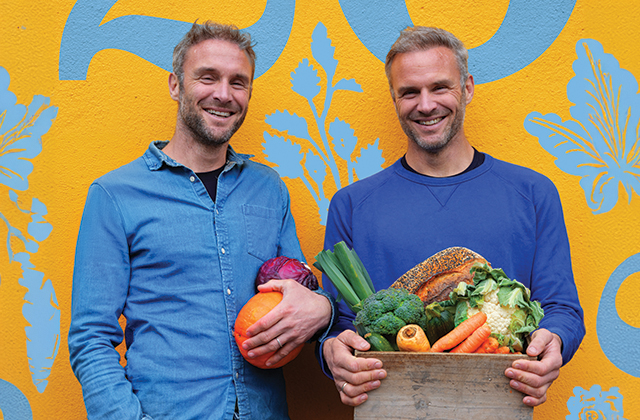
x=338, y=229
x=552, y=280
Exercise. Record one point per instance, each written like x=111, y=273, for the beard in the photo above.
x=201, y=133
x=434, y=146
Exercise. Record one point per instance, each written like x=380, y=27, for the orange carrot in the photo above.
x=503, y=350
x=474, y=341
x=460, y=333
x=490, y=345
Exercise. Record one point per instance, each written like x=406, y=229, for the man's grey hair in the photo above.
x=422, y=38
x=206, y=31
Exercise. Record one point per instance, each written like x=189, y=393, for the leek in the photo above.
x=347, y=273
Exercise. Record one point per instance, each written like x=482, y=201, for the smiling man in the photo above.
x=444, y=193
x=173, y=242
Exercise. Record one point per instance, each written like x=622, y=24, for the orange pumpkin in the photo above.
x=257, y=307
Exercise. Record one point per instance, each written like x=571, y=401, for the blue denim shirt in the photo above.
x=156, y=248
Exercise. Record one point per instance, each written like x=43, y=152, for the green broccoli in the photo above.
x=388, y=310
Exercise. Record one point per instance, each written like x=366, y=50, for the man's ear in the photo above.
x=174, y=87
x=469, y=87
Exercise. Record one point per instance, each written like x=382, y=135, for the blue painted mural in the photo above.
x=153, y=39
x=595, y=404
x=600, y=143
x=611, y=327
x=21, y=129
x=13, y=404
x=338, y=143
x=527, y=31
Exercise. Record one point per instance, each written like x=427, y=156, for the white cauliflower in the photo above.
x=511, y=315
x=498, y=316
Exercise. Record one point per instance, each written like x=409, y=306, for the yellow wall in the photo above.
x=108, y=120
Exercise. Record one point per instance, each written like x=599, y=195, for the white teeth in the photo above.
x=218, y=113
x=430, y=122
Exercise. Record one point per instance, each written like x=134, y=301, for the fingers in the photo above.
x=533, y=395
x=354, y=395
x=353, y=376
x=299, y=315
x=271, y=286
x=353, y=340
x=533, y=378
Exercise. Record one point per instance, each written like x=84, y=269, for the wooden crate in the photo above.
x=444, y=386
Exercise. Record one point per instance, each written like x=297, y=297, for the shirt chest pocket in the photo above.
x=262, y=226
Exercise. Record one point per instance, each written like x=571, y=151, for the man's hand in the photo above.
x=292, y=322
x=353, y=376
x=534, y=378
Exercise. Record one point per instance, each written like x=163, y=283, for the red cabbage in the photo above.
x=282, y=267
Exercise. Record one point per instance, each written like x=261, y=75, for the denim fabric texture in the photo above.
x=154, y=247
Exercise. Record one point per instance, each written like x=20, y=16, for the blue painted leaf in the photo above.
x=601, y=142
x=322, y=50
x=317, y=170
x=305, y=81
x=29, y=244
x=20, y=132
x=43, y=315
x=348, y=84
x=344, y=141
x=286, y=155
x=323, y=210
x=39, y=228
x=291, y=123
x=370, y=161
x=11, y=113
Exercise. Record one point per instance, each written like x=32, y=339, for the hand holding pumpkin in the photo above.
x=299, y=315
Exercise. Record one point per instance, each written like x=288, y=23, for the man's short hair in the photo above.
x=422, y=38
x=216, y=31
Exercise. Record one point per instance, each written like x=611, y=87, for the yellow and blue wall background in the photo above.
x=83, y=90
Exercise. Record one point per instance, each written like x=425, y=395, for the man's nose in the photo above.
x=222, y=92
x=426, y=102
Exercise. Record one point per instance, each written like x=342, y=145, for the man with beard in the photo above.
x=444, y=193
x=173, y=242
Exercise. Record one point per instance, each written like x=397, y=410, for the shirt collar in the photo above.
x=155, y=157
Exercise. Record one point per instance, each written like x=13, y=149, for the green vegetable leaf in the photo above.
x=512, y=297
x=346, y=272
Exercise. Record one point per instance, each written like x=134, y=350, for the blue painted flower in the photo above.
x=20, y=132
x=595, y=404
x=601, y=142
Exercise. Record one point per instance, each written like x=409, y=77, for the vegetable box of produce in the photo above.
x=445, y=332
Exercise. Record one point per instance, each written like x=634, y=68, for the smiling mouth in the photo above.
x=219, y=113
x=430, y=122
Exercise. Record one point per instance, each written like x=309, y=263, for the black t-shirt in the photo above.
x=210, y=181
x=478, y=159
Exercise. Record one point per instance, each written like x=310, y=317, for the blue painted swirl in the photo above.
x=528, y=29
x=153, y=39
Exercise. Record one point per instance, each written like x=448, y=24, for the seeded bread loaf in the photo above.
x=434, y=278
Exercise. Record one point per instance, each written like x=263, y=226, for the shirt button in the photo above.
x=237, y=375
x=192, y=178
x=223, y=251
x=228, y=291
